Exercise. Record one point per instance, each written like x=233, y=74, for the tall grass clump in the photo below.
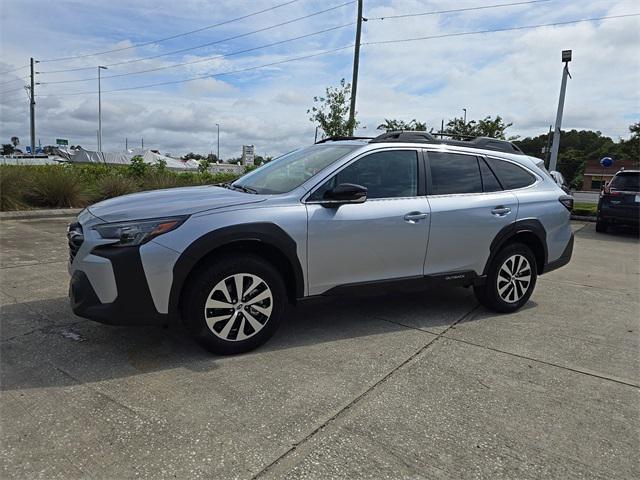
x=12, y=187
x=114, y=185
x=56, y=186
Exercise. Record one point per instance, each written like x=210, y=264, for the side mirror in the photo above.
x=345, y=193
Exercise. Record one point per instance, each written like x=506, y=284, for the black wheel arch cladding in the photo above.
x=264, y=234
x=526, y=230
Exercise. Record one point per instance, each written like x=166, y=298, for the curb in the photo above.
x=583, y=218
x=27, y=214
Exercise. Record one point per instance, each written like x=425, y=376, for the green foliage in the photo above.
x=587, y=209
x=12, y=181
x=487, y=127
x=75, y=185
x=114, y=185
x=203, y=165
x=331, y=112
x=160, y=166
x=137, y=167
x=55, y=186
x=7, y=149
x=395, y=125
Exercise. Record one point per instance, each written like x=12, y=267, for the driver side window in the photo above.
x=389, y=174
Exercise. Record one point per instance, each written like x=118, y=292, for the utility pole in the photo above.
x=553, y=162
x=126, y=144
x=356, y=65
x=218, y=154
x=32, y=110
x=442, y=126
x=100, y=110
x=142, y=142
x=465, y=115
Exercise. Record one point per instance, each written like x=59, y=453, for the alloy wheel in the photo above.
x=238, y=307
x=514, y=278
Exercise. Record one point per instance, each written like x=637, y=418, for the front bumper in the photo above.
x=133, y=304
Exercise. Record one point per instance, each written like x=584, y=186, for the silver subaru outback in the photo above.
x=344, y=214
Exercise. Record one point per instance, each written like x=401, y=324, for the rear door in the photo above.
x=468, y=209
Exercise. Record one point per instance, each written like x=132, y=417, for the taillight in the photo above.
x=567, y=201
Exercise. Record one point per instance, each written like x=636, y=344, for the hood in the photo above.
x=170, y=202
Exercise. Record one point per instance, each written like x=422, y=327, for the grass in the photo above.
x=61, y=186
x=586, y=209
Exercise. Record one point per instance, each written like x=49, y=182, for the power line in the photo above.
x=346, y=47
x=495, y=30
x=238, y=52
x=204, y=44
x=468, y=9
x=14, y=70
x=14, y=80
x=172, y=82
x=208, y=27
x=13, y=90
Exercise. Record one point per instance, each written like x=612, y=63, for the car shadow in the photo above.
x=45, y=345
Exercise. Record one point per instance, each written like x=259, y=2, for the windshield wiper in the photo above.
x=244, y=189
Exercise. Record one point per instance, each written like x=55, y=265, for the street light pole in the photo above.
x=356, y=65
x=100, y=110
x=465, y=115
x=218, y=154
x=553, y=162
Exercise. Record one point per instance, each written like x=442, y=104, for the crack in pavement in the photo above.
x=360, y=397
x=524, y=357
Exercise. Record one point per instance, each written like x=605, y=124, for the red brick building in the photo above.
x=594, y=174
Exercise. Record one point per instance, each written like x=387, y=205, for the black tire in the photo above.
x=489, y=294
x=213, y=283
x=602, y=226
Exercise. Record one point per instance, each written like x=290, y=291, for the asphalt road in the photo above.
x=416, y=385
x=586, y=197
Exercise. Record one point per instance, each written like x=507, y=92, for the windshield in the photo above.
x=629, y=182
x=293, y=169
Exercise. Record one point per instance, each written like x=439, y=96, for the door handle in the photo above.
x=413, y=217
x=500, y=211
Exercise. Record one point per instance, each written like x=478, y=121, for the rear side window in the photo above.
x=629, y=182
x=489, y=181
x=454, y=173
x=510, y=175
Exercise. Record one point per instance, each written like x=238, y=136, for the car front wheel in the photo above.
x=234, y=305
x=510, y=280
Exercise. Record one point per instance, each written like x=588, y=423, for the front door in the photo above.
x=383, y=238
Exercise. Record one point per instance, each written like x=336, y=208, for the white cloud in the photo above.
x=514, y=74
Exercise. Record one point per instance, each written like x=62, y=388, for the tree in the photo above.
x=395, y=125
x=487, y=127
x=15, y=141
x=331, y=112
x=193, y=156
x=8, y=149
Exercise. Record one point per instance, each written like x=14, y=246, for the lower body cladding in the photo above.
x=140, y=294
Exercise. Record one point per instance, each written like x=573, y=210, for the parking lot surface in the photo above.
x=415, y=385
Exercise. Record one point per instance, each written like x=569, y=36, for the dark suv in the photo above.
x=619, y=201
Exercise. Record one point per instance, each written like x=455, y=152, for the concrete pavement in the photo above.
x=415, y=385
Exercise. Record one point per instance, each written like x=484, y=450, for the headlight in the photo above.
x=137, y=232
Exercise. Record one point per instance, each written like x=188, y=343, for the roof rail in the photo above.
x=486, y=143
x=338, y=139
x=405, y=136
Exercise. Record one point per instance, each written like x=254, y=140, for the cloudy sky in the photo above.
x=515, y=74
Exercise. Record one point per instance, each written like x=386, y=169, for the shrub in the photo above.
x=12, y=187
x=114, y=185
x=158, y=181
x=137, y=167
x=56, y=186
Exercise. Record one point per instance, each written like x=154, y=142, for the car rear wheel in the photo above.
x=510, y=280
x=234, y=305
x=602, y=226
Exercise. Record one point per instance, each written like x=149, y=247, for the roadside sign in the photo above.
x=606, y=162
x=62, y=141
